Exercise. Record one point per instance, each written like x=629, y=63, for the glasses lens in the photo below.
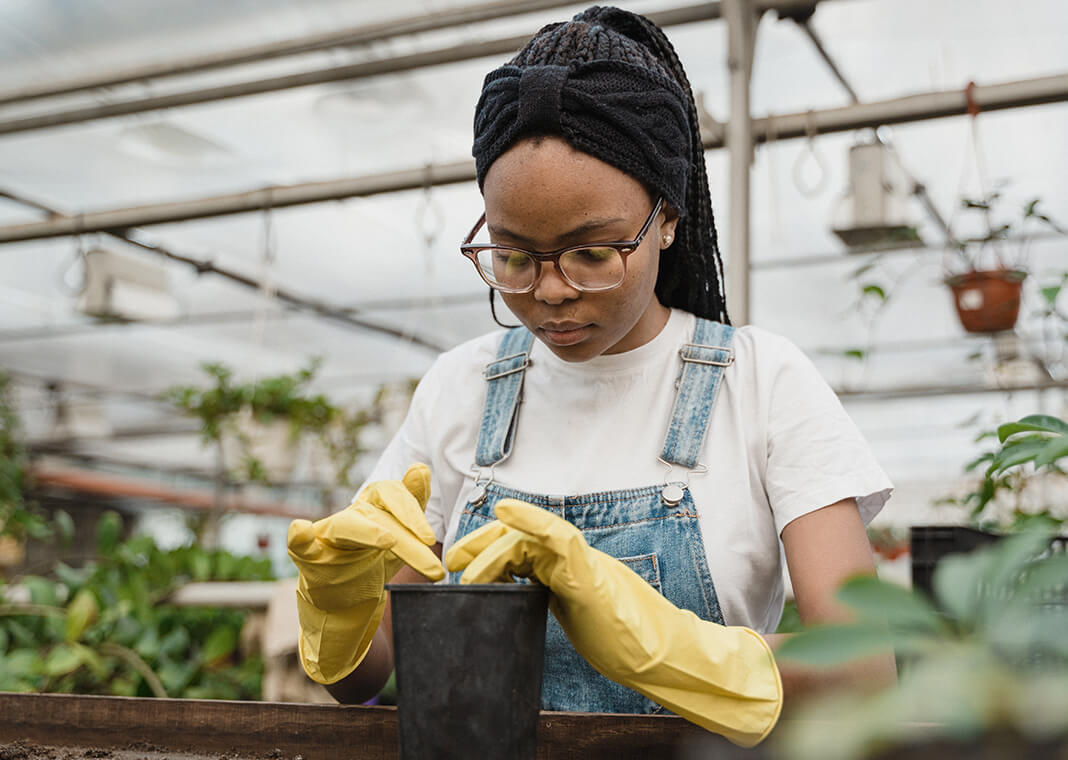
x=507, y=268
x=593, y=268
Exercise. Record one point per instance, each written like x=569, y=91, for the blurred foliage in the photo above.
x=106, y=628
x=18, y=517
x=1029, y=449
x=987, y=655
x=888, y=541
x=222, y=403
x=790, y=622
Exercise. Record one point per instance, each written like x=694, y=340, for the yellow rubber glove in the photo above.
x=344, y=562
x=722, y=678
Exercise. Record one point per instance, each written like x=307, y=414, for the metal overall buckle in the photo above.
x=673, y=491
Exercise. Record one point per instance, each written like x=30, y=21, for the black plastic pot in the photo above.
x=468, y=665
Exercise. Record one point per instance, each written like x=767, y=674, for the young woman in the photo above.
x=626, y=447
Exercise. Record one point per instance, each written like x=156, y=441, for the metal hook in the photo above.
x=672, y=493
x=815, y=187
x=478, y=496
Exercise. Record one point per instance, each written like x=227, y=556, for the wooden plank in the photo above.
x=315, y=732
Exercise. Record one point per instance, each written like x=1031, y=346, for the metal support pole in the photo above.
x=741, y=40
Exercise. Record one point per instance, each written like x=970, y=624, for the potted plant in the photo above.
x=983, y=663
x=1017, y=480
x=991, y=266
x=257, y=423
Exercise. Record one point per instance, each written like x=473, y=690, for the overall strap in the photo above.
x=504, y=376
x=703, y=362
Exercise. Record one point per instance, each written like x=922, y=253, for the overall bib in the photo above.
x=653, y=530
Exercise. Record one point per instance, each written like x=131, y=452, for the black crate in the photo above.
x=930, y=543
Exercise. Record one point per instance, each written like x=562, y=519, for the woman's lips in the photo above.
x=564, y=335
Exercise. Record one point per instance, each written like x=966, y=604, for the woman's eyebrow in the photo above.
x=590, y=225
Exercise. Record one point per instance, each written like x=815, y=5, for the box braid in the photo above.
x=691, y=270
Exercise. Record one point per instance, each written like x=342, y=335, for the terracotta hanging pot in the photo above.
x=987, y=301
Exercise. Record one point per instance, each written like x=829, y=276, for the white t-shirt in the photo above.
x=779, y=445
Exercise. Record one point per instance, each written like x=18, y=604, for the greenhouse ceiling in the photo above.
x=298, y=180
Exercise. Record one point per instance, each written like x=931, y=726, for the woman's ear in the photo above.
x=667, y=226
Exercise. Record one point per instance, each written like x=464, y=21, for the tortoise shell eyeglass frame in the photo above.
x=623, y=248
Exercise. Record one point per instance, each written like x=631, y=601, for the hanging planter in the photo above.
x=265, y=450
x=988, y=276
x=987, y=301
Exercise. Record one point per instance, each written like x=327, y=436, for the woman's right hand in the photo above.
x=344, y=562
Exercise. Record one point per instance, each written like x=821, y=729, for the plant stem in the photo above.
x=134, y=660
x=41, y=610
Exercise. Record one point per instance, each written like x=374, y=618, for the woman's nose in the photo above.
x=551, y=287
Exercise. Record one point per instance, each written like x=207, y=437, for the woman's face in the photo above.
x=543, y=195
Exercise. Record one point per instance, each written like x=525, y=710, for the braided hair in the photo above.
x=691, y=271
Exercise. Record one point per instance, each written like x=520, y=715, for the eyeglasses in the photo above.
x=589, y=268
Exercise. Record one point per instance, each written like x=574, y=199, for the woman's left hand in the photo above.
x=722, y=678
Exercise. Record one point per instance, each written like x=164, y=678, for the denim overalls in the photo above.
x=653, y=530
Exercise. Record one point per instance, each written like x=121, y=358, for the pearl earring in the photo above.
x=667, y=240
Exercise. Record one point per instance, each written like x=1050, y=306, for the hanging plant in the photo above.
x=258, y=424
x=987, y=271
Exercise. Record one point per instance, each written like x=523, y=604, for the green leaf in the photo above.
x=1018, y=452
x=874, y=290
x=972, y=465
x=1045, y=579
x=108, y=532
x=81, y=613
x=148, y=646
x=42, y=590
x=876, y=600
x=835, y=644
x=176, y=676
x=956, y=582
x=220, y=645
x=175, y=643
x=200, y=566
x=21, y=663
x=1051, y=294
x=70, y=577
x=1054, y=450
x=64, y=526
x=63, y=659
x=1043, y=423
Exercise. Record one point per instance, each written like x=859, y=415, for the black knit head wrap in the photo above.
x=609, y=82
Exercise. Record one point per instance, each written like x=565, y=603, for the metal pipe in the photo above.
x=933, y=105
x=818, y=43
x=350, y=37
x=226, y=317
x=463, y=52
x=105, y=484
x=741, y=42
x=861, y=254
x=345, y=317
x=928, y=105
x=945, y=390
x=280, y=196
